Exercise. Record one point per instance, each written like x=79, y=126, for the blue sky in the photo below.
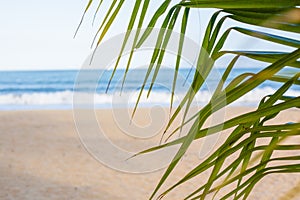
x=38, y=34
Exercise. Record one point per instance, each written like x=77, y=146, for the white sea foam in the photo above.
x=66, y=98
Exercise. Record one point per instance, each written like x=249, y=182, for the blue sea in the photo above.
x=55, y=89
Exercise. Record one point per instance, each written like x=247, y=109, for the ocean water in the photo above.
x=56, y=89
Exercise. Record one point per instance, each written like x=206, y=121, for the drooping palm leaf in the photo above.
x=281, y=15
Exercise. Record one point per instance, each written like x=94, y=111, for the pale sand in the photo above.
x=41, y=157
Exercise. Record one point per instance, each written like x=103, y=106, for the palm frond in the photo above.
x=267, y=15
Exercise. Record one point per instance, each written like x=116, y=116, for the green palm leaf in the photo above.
x=265, y=15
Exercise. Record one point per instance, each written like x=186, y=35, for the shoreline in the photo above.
x=5, y=108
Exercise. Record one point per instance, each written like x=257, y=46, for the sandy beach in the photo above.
x=42, y=157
